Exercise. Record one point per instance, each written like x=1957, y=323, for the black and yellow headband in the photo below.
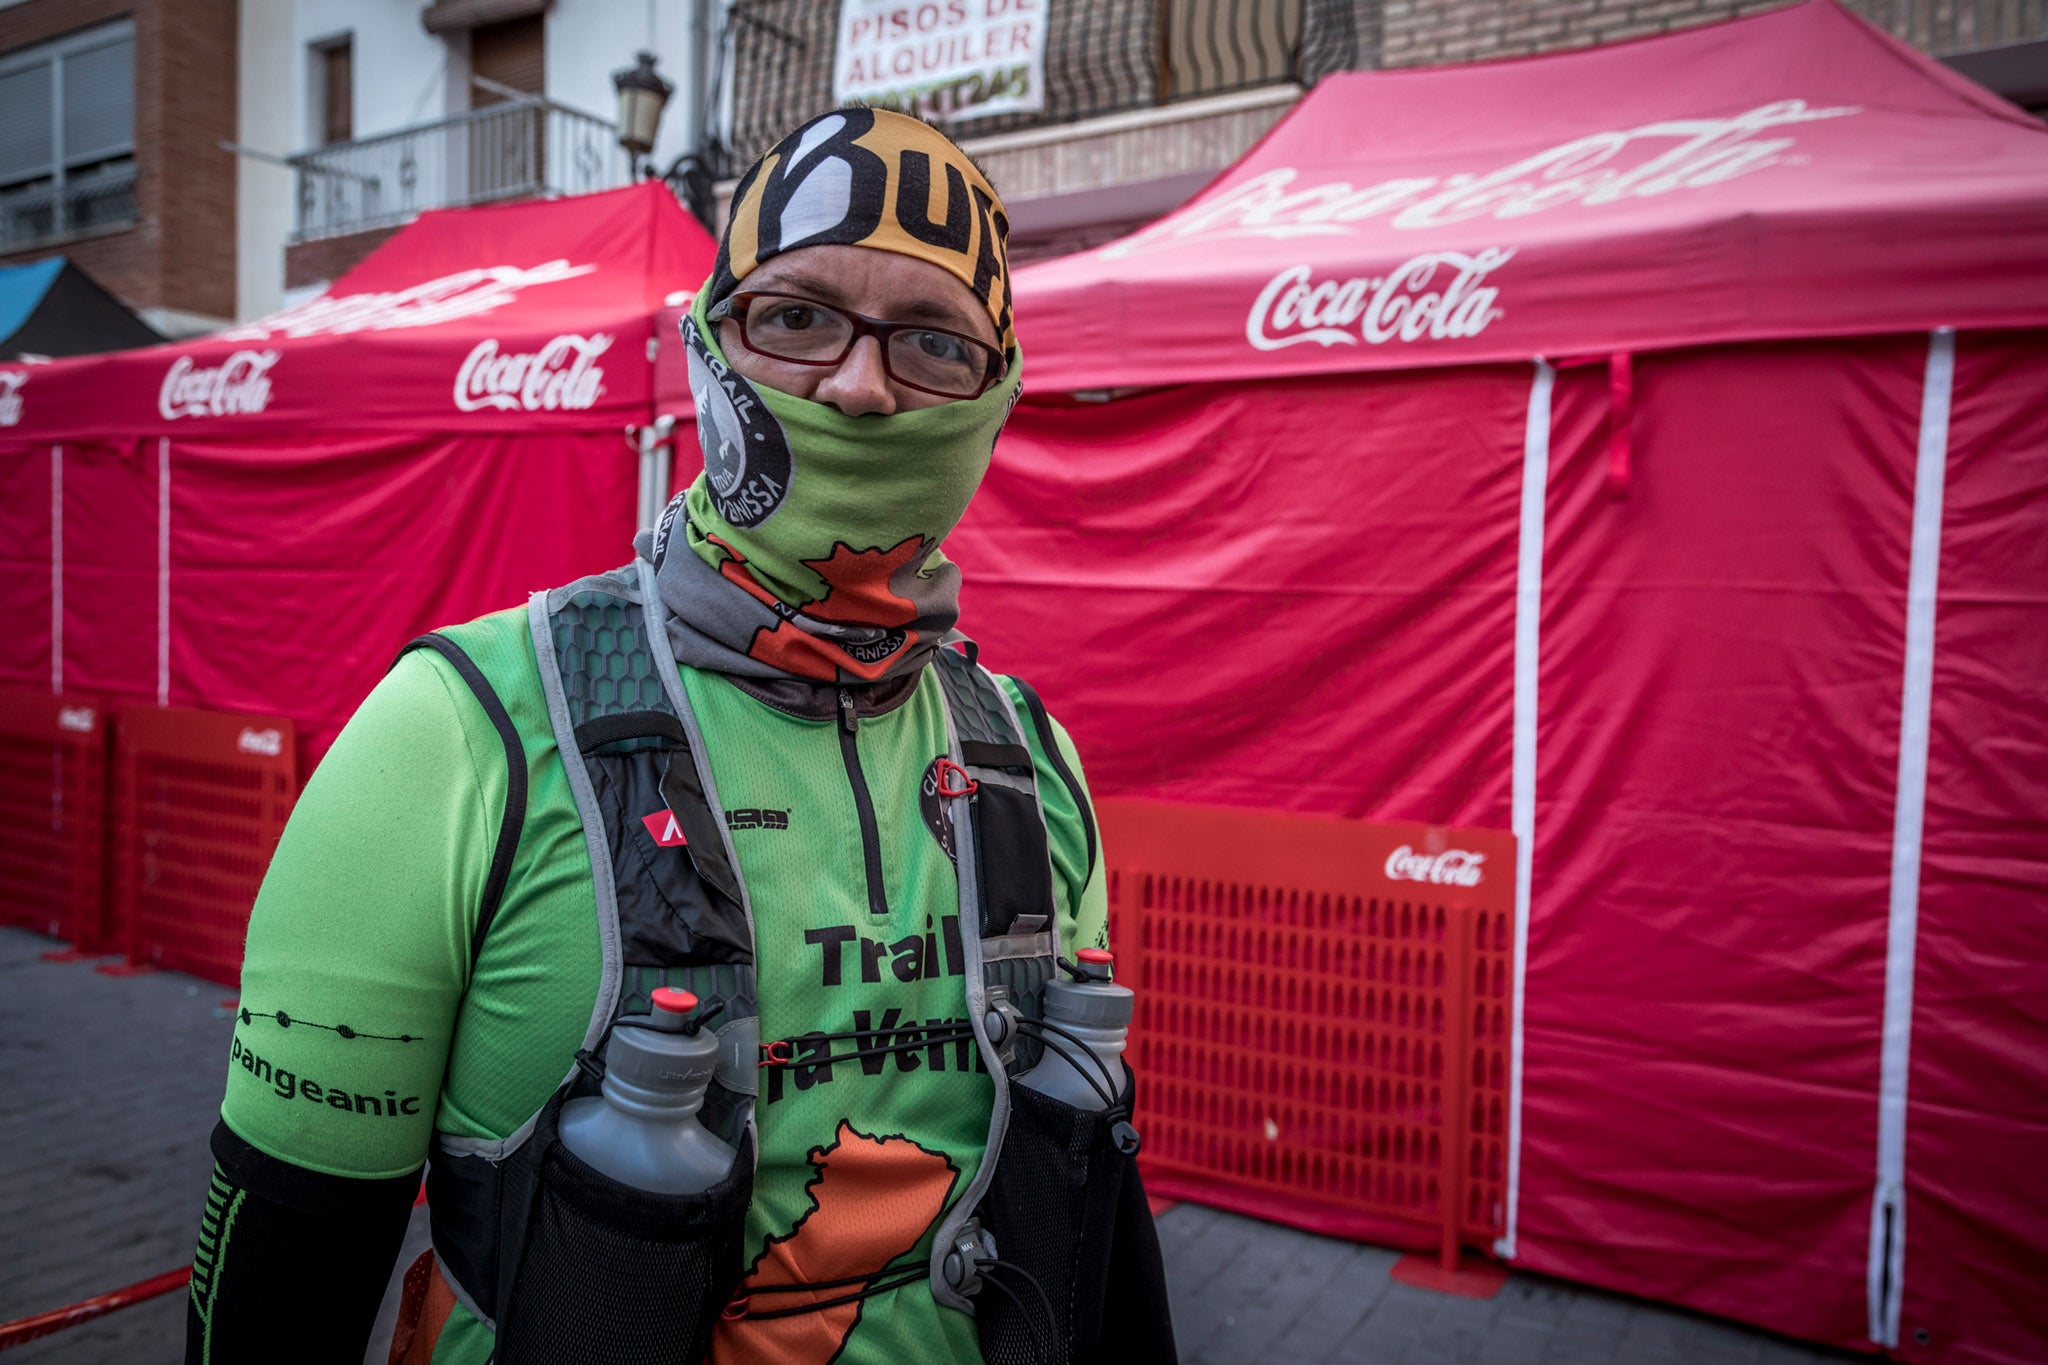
x=873, y=178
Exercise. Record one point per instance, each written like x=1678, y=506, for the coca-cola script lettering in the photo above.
x=11, y=382
x=1452, y=867
x=561, y=375
x=1437, y=296
x=267, y=743
x=465, y=294
x=1600, y=168
x=237, y=387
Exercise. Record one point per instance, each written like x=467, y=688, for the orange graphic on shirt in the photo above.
x=871, y=1202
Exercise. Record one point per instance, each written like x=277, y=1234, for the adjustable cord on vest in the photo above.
x=904, y=1274
x=778, y=1053
x=1039, y=1028
x=1043, y=1330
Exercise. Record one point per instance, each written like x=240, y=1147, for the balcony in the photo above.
x=101, y=200
x=1948, y=28
x=519, y=150
x=1103, y=57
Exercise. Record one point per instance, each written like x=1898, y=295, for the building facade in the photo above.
x=112, y=113
x=1146, y=100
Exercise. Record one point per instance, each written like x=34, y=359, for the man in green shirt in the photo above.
x=744, y=765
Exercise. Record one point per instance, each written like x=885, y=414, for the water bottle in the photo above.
x=1094, y=1014
x=642, y=1130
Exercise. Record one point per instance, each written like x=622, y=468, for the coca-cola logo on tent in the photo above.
x=561, y=375
x=11, y=382
x=1599, y=168
x=1452, y=867
x=1437, y=295
x=465, y=294
x=237, y=387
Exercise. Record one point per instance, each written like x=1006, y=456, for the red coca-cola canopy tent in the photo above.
x=1646, y=450
x=257, y=520
x=1799, y=174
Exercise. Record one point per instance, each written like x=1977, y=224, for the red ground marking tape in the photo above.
x=23, y=1330
x=74, y=955
x=127, y=969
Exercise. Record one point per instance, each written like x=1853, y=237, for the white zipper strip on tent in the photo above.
x=56, y=569
x=1888, y=1205
x=163, y=571
x=1522, y=790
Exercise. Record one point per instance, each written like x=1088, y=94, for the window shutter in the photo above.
x=99, y=103
x=25, y=128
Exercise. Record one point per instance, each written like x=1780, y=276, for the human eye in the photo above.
x=940, y=346
x=792, y=317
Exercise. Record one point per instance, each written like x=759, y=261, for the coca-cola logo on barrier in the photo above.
x=268, y=743
x=562, y=374
x=1438, y=295
x=1600, y=168
x=1452, y=867
x=466, y=293
x=238, y=386
x=78, y=719
x=11, y=382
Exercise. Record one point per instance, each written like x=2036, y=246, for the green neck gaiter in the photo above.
x=813, y=537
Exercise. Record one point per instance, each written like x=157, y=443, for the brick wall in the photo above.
x=1429, y=32
x=325, y=258
x=181, y=253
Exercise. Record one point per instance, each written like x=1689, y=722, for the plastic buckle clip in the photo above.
x=946, y=767
x=776, y=1053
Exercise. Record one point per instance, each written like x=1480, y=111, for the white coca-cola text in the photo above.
x=1600, y=168
x=561, y=374
x=11, y=382
x=1452, y=867
x=79, y=719
x=238, y=386
x=1437, y=295
x=268, y=743
x=464, y=294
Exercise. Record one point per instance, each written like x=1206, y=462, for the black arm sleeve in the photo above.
x=292, y=1264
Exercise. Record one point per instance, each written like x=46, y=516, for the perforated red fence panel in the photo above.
x=200, y=798
x=53, y=781
x=1322, y=1021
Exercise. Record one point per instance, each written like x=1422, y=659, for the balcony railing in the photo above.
x=1948, y=27
x=98, y=202
x=1102, y=57
x=519, y=150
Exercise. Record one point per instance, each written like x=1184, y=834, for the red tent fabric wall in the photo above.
x=1731, y=607
x=258, y=520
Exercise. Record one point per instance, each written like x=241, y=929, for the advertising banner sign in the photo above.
x=942, y=59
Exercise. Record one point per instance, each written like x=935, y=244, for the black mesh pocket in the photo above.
x=1067, y=1210
x=614, y=1274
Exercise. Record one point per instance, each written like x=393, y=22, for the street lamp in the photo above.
x=642, y=96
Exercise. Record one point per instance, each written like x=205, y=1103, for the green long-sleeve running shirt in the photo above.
x=365, y=1027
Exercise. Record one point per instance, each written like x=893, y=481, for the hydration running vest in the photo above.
x=615, y=700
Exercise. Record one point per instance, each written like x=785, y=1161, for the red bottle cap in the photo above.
x=670, y=1000
x=1094, y=955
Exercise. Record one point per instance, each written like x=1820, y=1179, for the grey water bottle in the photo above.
x=1088, y=1019
x=642, y=1128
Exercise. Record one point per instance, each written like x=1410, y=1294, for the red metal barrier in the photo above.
x=52, y=817
x=1323, y=1016
x=200, y=798
x=24, y=1330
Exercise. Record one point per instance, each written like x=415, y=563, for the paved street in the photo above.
x=112, y=1084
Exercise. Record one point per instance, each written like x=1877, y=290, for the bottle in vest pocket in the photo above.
x=1087, y=1020
x=642, y=1130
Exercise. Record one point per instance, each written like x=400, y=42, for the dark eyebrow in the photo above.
x=826, y=292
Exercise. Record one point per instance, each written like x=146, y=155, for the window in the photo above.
x=67, y=136
x=334, y=67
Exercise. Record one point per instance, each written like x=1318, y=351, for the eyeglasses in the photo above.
x=918, y=356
